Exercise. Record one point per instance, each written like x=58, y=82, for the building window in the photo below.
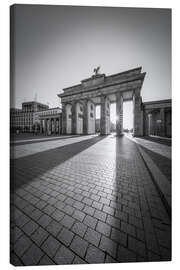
x=91, y=107
x=91, y=115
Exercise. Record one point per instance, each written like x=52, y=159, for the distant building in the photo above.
x=23, y=119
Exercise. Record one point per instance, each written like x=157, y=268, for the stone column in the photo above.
x=137, y=123
x=45, y=126
x=63, y=118
x=119, y=114
x=153, y=123
x=74, y=117
x=162, y=118
x=146, y=123
x=104, y=125
x=85, y=116
x=60, y=124
x=52, y=125
x=41, y=127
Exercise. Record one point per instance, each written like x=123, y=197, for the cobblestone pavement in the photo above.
x=158, y=151
x=90, y=201
x=26, y=149
x=158, y=148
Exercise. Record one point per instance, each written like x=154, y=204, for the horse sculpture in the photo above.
x=96, y=70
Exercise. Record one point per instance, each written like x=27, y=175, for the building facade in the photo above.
x=22, y=120
x=157, y=118
x=48, y=121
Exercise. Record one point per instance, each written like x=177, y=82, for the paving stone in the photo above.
x=30, y=227
x=125, y=255
x=92, y=237
x=95, y=197
x=36, y=214
x=137, y=246
x=49, y=209
x=45, y=260
x=52, y=201
x=97, y=205
x=39, y=236
x=45, y=197
x=22, y=244
x=94, y=255
x=152, y=257
x=79, y=246
x=44, y=220
x=29, y=209
x=108, y=246
x=135, y=221
x=79, y=228
x=78, y=197
x=127, y=228
x=108, y=210
x=90, y=221
x=50, y=246
x=109, y=259
x=78, y=260
x=87, y=201
x=65, y=236
x=119, y=237
x=89, y=210
x=103, y=228
x=64, y=256
x=121, y=215
x=58, y=215
x=54, y=193
x=100, y=215
x=105, y=201
x=78, y=205
x=70, y=201
x=32, y=256
x=68, y=210
x=54, y=227
x=79, y=215
x=41, y=204
x=113, y=221
x=60, y=205
x=15, y=234
x=14, y=260
x=67, y=221
x=22, y=220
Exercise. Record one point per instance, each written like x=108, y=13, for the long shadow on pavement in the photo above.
x=25, y=169
x=158, y=140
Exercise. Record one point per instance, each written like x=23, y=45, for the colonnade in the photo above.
x=50, y=125
x=78, y=116
x=158, y=122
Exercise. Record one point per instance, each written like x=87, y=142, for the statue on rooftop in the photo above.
x=96, y=70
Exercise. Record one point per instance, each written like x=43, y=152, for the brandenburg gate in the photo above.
x=79, y=102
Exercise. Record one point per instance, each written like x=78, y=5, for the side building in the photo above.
x=22, y=120
x=157, y=118
x=48, y=121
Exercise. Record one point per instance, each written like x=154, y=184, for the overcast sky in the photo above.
x=58, y=46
